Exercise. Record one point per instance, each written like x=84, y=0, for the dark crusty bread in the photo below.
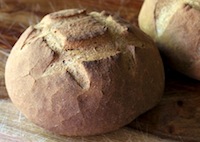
x=175, y=26
x=77, y=74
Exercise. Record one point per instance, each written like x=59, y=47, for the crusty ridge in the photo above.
x=76, y=36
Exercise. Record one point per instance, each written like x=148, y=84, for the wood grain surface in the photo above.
x=15, y=127
x=176, y=117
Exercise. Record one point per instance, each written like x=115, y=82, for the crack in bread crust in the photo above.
x=77, y=37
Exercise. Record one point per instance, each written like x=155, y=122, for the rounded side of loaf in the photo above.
x=77, y=73
x=175, y=26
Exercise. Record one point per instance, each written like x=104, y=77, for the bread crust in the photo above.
x=175, y=28
x=90, y=78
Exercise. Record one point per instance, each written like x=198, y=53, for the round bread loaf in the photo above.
x=175, y=26
x=78, y=73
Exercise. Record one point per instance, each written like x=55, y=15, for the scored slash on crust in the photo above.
x=66, y=41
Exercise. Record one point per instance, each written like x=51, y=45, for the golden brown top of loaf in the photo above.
x=76, y=31
x=76, y=36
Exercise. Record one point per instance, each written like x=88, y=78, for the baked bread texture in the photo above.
x=175, y=27
x=77, y=73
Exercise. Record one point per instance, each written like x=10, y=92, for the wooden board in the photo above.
x=15, y=127
x=177, y=116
